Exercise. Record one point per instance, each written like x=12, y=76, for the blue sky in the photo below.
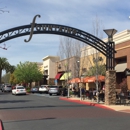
x=75, y=13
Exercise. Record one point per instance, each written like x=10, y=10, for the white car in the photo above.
x=18, y=90
x=43, y=89
x=6, y=88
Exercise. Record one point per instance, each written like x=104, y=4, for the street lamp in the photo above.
x=110, y=33
x=110, y=50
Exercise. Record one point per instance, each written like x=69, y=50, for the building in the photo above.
x=90, y=57
x=49, y=65
x=122, y=57
x=67, y=69
x=54, y=69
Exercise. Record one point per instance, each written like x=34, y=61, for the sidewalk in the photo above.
x=121, y=108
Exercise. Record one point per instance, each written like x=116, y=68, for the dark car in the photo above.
x=35, y=89
x=54, y=89
x=0, y=86
x=64, y=91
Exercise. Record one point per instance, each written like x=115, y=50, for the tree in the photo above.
x=12, y=79
x=27, y=72
x=10, y=68
x=5, y=78
x=2, y=10
x=96, y=60
x=69, y=48
x=3, y=65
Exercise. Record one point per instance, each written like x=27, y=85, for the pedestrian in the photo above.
x=83, y=93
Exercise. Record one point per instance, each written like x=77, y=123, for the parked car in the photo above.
x=43, y=89
x=6, y=88
x=54, y=89
x=18, y=90
x=35, y=89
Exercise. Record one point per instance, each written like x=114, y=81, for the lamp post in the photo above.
x=66, y=78
x=110, y=49
x=78, y=65
x=110, y=81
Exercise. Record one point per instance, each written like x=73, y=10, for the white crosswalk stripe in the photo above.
x=45, y=95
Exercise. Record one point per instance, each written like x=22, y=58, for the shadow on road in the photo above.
x=49, y=118
x=14, y=101
x=47, y=106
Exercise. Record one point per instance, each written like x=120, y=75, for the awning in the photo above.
x=65, y=76
x=75, y=80
x=121, y=67
x=100, y=78
x=58, y=76
x=85, y=80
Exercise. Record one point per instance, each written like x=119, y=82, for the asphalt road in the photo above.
x=44, y=112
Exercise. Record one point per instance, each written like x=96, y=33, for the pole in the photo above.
x=80, y=92
x=67, y=75
x=97, y=77
x=68, y=92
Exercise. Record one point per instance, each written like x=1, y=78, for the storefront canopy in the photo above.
x=75, y=80
x=58, y=76
x=93, y=79
x=121, y=67
x=85, y=80
x=65, y=76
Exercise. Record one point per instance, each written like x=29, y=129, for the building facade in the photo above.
x=49, y=63
x=67, y=69
x=122, y=57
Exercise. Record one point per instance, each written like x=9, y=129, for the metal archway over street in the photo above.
x=75, y=33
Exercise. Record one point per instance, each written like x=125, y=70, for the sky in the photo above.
x=79, y=14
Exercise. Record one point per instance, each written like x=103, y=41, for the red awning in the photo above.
x=74, y=80
x=85, y=80
x=93, y=79
x=58, y=76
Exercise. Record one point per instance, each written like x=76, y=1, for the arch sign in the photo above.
x=34, y=28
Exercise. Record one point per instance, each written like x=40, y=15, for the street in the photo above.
x=44, y=112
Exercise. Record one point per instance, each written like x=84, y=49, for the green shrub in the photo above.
x=28, y=90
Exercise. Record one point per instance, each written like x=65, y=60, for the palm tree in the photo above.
x=3, y=65
x=9, y=68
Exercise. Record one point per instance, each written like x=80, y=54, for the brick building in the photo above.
x=122, y=56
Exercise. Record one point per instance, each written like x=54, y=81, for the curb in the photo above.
x=1, y=125
x=85, y=103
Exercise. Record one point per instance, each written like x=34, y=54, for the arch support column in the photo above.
x=110, y=87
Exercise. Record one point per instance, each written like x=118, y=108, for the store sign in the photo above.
x=46, y=66
x=127, y=72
